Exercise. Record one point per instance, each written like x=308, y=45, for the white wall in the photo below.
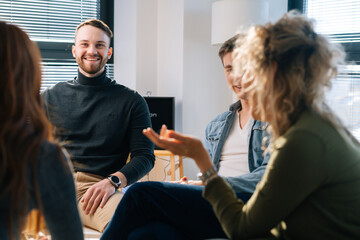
x=277, y=8
x=148, y=47
x=125, y=42
x=164, y=46
x=170, y=47
x=146, y=43
x=205, y=90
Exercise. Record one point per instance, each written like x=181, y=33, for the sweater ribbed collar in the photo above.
x=93, y=81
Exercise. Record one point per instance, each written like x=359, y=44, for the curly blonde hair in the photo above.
x=284, y=66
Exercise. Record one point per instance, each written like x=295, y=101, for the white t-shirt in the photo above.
x=234, y=155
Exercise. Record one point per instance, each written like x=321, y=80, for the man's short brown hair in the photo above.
x=228, y=46
x=96, y=23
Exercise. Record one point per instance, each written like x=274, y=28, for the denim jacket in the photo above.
x=215, y=136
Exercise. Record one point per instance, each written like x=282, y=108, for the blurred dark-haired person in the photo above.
x=34, y=170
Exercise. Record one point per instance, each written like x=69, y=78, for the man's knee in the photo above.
x=142, y=188
x=102, y=216
x=140, y=192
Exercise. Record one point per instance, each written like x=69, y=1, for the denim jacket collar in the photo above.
x=235, y=106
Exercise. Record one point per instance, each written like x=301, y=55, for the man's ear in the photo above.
x=73, y=51
x=110, y=52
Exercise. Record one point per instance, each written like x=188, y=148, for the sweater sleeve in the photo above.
x=142, y=156
x=57, y=192
x=294, y=171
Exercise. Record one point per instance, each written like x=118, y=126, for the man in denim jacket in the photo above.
x=217, y=132
x=234, y=140
x=161, y=210
x=237, y=126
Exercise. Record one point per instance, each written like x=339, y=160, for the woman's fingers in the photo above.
x=163, y=130
x=182, y=145
x=152, y=135
x=178, y=136
x=170, y=144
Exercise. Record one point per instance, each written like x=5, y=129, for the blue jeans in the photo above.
x=156, y=231
x=159, y=210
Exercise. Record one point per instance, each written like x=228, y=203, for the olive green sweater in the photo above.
x=312, y=184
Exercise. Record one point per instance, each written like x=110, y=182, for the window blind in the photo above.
x=339, y=20
x=52, y=24
x=46, y=20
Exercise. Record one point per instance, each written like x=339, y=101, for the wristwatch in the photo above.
x=114, y=180
x=207, y=175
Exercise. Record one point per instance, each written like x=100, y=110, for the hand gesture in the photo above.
x=97, y=195
x=184, y=180
x=181, y=145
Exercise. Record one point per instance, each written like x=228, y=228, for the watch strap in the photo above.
x=208, y=175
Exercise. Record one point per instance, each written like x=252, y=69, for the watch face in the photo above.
x=115, y=179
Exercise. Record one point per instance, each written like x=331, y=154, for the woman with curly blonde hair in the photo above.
x=34, y=171
x=311, y=187
x=285, y=67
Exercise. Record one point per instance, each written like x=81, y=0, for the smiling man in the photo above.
x=91, y=50
x=99, y=123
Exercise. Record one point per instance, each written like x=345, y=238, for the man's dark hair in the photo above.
x=228, y=46
x=98, y=24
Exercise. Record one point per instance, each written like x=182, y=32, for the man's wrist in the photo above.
x=114, y=180
x=122, y=178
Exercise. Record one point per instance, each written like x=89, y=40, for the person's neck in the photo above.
x=99, y=79
x=245, y=107
x=244, y=113
x=91, y=75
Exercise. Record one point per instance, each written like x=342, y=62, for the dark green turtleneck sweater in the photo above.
x=100, y=122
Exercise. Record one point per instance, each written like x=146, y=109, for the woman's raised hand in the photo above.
x=181, y=145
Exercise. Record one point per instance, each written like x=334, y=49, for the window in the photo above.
x=51, y=24
x=339, y=20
